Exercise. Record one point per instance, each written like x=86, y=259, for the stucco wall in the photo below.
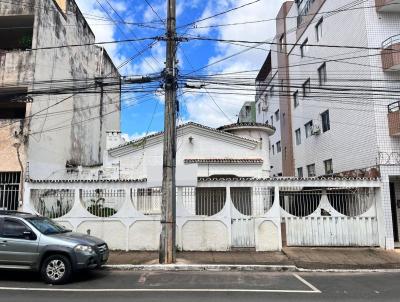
x=74, y=129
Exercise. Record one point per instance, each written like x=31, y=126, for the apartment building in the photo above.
x=247, y=113
x=331, y=87
x=53, y=114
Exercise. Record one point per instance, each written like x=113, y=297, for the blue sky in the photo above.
x=144, y=114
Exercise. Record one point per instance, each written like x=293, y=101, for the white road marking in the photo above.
x=155, y=290
x=314, y=289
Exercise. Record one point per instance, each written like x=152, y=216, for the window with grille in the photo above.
x=9, y=190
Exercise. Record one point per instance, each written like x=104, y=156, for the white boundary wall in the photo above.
x=130, y=229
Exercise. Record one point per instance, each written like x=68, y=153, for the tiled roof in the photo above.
x=236, y=125
x=224, y=161
x=85, y=180
x=205, y=179
x=180, y=127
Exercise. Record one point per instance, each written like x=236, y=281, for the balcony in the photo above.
x=391, y=53
x=394, y=119
x=387, y=6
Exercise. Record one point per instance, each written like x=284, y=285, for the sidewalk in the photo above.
x=343, y=258
x=301, y=258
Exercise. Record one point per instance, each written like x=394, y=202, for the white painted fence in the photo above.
x=217, y=215
x=330, y=217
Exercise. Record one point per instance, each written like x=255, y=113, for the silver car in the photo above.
x=38, y=243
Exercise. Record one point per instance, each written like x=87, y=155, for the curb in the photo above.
x=361, y=270
x=236, y=268
x=202, y=267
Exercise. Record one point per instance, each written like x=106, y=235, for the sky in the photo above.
x=143, y=114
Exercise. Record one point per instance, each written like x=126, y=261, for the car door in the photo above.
x=16, y=247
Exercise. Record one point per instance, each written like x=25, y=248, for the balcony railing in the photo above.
x=391, y=53
x=387, y=5
x=394, y=118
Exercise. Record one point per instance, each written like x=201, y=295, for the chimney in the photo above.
x=114, y=139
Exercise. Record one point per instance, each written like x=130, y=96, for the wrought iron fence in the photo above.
x=300, y=203
x=52, y=203
x=102, y=202
x=351, y=202
x=9, y=190
x=147, y=200
x=255, y=201
x=204, y=201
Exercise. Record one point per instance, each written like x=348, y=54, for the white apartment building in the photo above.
x=331, y=87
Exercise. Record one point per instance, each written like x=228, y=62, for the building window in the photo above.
x=277, y=115
x=298, y=137
x=308, y=127
x=19, y=33
x=311, y=170
x=259, y=108
x=282, y=43
x=304, y=48
x=282, y=84
x=300, y=172
x=328, y=166
x=326, y=124
x=322, y=77
x=296, y=99
x=271, y=90
x=278, y=147
x=273, y=149
x=13, y=104
x=272, y=120
x=307, y=88
x=318, y=29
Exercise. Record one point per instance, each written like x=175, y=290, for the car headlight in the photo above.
x=83, y=249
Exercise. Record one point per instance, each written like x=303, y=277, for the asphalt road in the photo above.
x=118, y=286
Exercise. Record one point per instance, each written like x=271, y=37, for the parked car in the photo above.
x=37, y=243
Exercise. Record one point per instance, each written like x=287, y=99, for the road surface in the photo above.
x=121, y=286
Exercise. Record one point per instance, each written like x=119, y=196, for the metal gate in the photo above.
x=330, y=217
x=9, y=190
x=243, y=235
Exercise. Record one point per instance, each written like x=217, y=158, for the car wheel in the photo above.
x=56, y=269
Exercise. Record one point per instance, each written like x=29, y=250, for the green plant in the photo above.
x=25, y=42
x=97, y=208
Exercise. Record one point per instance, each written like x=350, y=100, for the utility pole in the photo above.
x=168, y=207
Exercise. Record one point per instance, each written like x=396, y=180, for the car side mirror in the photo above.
x=29, y=235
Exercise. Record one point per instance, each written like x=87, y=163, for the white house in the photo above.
x=239, y=150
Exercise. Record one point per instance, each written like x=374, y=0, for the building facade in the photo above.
x=55, y=106
x=247, y=113
x=330, y=85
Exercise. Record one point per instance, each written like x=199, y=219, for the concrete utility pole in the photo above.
x=168, y=207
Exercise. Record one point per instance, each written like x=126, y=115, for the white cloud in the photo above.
x=136, y=136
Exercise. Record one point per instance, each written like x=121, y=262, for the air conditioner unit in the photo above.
x=316, y=130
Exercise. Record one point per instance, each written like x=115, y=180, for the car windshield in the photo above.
x=47, y=226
